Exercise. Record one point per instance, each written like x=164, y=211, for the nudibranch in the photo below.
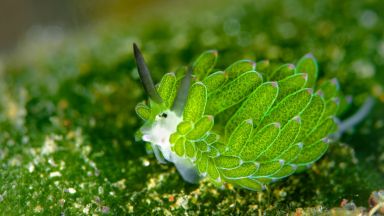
x=247, y=125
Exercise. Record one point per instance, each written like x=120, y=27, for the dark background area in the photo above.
x=18, y=17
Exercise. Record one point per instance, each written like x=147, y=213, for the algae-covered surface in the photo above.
x=67, y=119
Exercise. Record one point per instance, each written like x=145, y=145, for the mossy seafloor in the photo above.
x=67, y=118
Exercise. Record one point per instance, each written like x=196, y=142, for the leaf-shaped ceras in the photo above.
x=238, y=125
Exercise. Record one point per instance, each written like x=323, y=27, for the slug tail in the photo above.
x=356, y=118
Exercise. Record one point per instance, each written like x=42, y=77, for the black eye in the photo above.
x=163, y=115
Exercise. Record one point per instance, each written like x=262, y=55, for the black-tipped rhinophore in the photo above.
x=182, y=93
x=145, y=76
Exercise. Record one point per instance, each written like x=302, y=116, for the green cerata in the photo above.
x=248, y=125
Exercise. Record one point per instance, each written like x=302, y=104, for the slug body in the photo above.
x=247, y=125
x=158, y=135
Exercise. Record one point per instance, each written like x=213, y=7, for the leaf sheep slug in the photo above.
x=245, y=125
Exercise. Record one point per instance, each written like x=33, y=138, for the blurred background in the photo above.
x=20, y=17
x=346, y=38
